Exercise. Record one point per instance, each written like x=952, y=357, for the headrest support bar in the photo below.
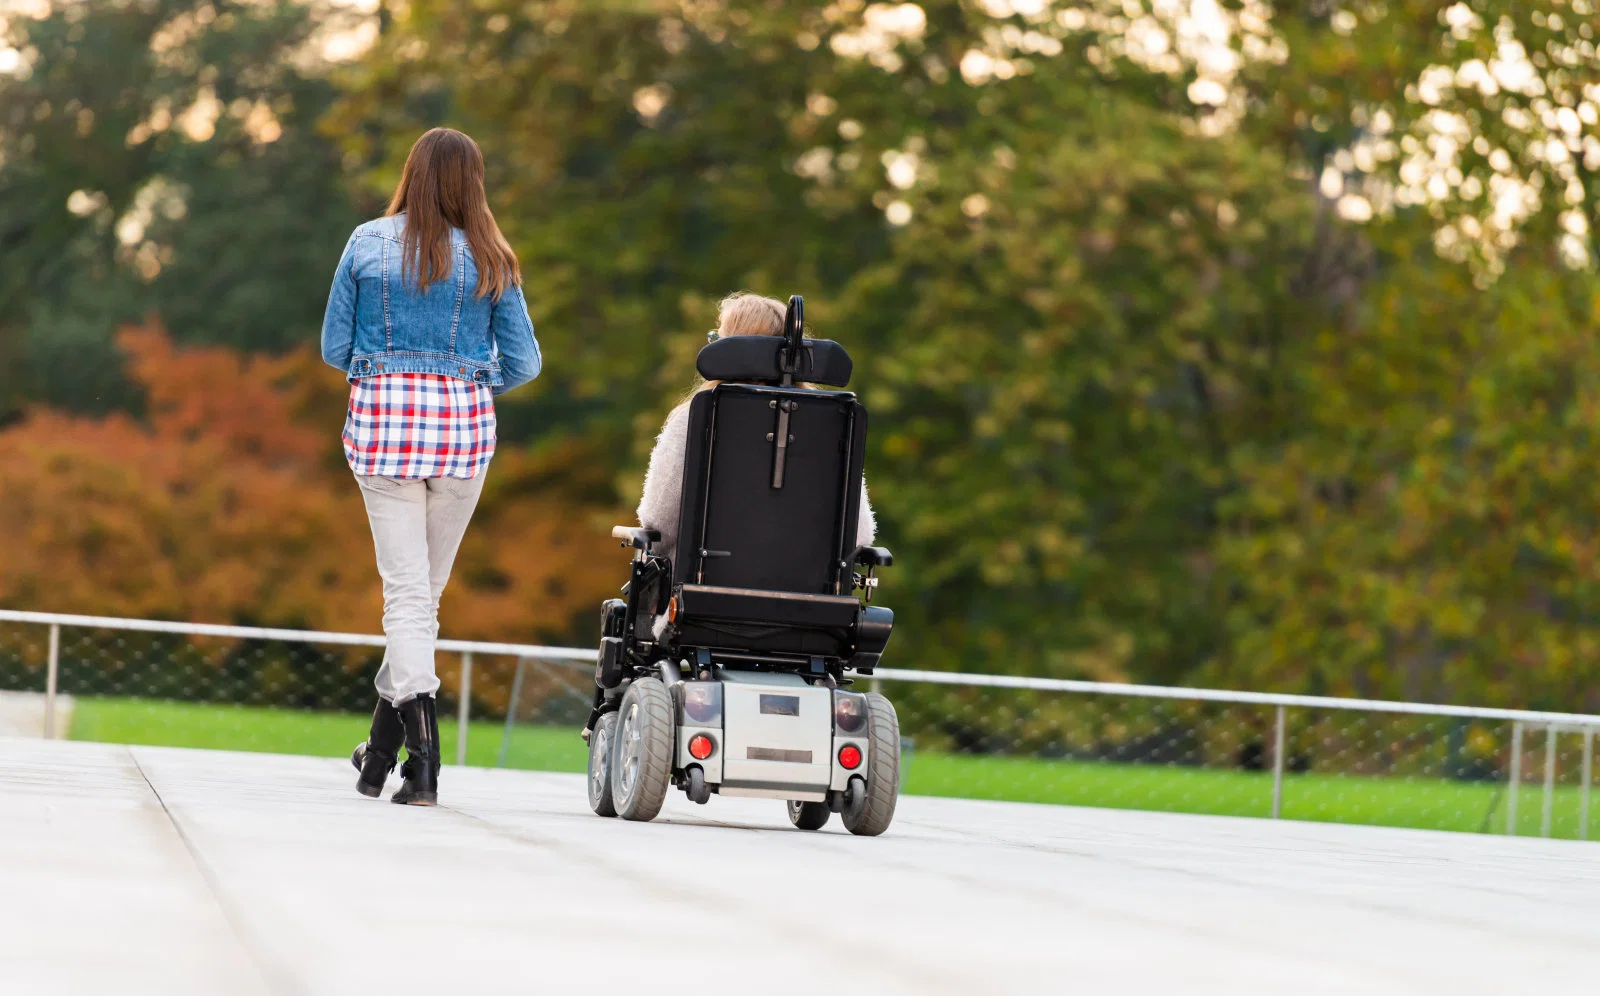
x=794, y=323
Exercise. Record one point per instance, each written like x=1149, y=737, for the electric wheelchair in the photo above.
x=724, y=670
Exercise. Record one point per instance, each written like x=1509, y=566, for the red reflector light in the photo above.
x=850, y=757
x=701, y=747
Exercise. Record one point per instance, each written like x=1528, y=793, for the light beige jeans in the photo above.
x=416, y=530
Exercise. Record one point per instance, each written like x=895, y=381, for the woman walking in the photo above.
x=427, y=320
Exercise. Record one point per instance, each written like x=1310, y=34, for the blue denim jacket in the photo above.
x=377, y=322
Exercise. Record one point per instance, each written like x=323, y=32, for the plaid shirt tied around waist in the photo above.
x=416, y=426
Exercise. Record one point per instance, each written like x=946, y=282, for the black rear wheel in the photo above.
x=869, y=814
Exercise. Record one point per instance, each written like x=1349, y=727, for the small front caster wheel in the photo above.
x=697, y=790
x=808, y=815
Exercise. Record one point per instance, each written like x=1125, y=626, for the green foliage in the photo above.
x=629, y=224
x=161, y=158
x=1071, y=335
x=1475, y=111
x=1056, y=378
x=1266, y=364
x=1429, y=530
x=1116, y=345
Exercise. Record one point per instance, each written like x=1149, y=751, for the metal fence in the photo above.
x=971, y=735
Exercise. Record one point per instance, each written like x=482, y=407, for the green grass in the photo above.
x=1420, y=803
x=323, y=734
x=1432, y=804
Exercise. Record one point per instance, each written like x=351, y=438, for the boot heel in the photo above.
x=375, y=757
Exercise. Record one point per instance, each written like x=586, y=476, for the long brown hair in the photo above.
x=441, y=188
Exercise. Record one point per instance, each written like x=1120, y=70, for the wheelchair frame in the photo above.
x=773, y=718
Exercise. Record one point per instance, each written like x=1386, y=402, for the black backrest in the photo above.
x=797, y=537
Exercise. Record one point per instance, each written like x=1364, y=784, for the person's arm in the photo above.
x=663, y=481
x=520, y=360
x=339, y=321
x=866, y=522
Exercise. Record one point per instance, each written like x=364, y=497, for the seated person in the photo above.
x=739, y=314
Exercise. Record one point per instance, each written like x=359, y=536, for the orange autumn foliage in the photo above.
x=230, y=501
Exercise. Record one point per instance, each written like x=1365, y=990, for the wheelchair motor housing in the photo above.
x=743, y=732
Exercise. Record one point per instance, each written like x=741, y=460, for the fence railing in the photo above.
x=466, y=648
x=989, y=736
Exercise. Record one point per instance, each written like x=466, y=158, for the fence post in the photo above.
x=1277, y=766
x=511, y=712
x=52, y=670
x=1549, y=780
x=464, y=708
x=1588, y=776
x=1516, y=777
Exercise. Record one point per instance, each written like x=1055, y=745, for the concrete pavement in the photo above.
x=165, y=871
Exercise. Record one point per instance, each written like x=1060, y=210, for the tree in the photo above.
x=1000, y=259
x=232, y=503
x=1481, y=115
x=1428, y=529
x=1098, y=322
x=1237, y=343
x=161, y=158
x=641, y=162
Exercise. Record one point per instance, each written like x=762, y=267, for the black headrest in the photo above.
x=757, y=359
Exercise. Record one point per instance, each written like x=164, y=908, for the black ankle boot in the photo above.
x=377, y=756
x=421, y=770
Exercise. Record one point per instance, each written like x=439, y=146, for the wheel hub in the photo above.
x=602, y=752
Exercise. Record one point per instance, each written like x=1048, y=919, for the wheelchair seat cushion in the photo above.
x=778, y=607
x=752, y=620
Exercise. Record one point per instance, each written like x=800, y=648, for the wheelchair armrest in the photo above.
x=636, y=536
x=874, y=556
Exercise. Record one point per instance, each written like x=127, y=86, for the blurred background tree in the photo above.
x=1240, y=342
x=225, y=501
x=161, y=158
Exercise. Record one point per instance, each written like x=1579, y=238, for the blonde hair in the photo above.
x=743, y=313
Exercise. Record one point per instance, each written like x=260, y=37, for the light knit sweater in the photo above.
x=663, y=487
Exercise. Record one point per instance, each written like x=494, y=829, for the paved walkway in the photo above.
x=162, y=871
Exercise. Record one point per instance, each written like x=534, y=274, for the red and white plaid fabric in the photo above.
x=416, y=426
